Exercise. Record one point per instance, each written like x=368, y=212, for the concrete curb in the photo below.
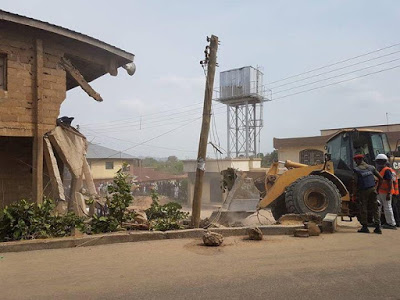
x=135, y=236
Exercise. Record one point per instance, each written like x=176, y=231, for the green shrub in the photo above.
x=23, y=220
x=117, y=205
x=165, y=217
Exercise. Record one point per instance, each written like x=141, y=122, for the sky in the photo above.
x=157, y=111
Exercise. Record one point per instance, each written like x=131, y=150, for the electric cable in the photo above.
x=336, y=76
x=334, y=83
x=336, y=63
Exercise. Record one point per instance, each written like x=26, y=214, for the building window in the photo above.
x=109, y=165
x=3, y=72
x=311, y=157
x=126, y=167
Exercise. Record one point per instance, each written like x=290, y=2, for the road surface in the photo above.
x=344, y=265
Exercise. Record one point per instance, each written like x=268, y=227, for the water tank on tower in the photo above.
x=242, y=91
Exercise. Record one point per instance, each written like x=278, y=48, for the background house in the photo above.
x=310, y=150
x=105, y=163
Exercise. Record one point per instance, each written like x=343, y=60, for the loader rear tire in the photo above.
x=313, y=194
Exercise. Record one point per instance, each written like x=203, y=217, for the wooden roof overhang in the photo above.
x=92, y=57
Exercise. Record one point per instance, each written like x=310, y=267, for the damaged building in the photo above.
x=39, y=62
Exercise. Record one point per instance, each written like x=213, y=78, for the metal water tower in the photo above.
x=241, y=90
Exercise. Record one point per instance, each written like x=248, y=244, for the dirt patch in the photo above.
x=144, y=202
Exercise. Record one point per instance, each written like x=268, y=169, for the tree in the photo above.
x=172, y=165
x=269, y=158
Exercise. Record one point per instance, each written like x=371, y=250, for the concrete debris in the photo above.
x=205, y=223
x=141, y=217
x=298, y=219
x=255, y=234
x=212, y=239
x=329, y=223
x=313, y=229
x=301, y=233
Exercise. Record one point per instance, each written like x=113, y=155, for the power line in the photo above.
x=158, y=123
x=336, y=76
x=336, y=63
x=147, y=145
x=331, y=71
x=334, y=83
x=139, y=120
x=138, y=117
x=160, y=135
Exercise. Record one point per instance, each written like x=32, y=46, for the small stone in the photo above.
x=301, y=233
x=255, y=234
x=212, y=239
x=313, y=228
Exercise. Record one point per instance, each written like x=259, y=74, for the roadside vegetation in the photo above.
x=24, y=220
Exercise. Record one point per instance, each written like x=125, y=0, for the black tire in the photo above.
x=279, y=208
x=313, y=194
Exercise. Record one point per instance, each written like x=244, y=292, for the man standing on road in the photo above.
x=366, y=193
x=386, y=190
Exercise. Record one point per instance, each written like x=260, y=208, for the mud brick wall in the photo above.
x=16, y=170
x=16, y=109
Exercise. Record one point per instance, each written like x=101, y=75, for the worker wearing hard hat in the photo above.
x=386, y=190
x=366, y=193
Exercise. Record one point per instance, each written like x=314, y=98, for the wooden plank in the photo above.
x=90, y=184
x=75, y=74
x=37, y=162
x=53, y=170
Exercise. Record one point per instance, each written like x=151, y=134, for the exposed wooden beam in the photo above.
x=37, y=170
x=75, y=74
x=53, y=170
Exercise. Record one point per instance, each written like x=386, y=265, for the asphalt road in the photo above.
x=344, y=265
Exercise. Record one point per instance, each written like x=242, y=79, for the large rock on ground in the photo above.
x=255, y=233
x=212, y=239
x=313, y=228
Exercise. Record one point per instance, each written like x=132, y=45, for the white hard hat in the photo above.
x=381, y=157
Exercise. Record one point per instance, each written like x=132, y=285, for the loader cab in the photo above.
x=346, y=143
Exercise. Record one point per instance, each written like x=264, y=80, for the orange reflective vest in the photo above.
x=385, y=188
x=395, y=182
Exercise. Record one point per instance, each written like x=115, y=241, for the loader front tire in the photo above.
x=313, y=194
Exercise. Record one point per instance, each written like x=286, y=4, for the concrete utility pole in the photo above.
x=211, y=61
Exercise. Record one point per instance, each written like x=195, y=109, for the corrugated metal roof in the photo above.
x=301, y=141
x=151, y=175
x=99, y=152
x=34, y=23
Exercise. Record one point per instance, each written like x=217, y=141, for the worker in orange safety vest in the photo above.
x=386, y=190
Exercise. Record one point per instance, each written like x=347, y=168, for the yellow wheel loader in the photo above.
x=328, y=187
